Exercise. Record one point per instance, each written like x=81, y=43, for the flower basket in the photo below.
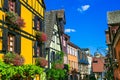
x=13, y=18
x=58, y=66
x=14, y=59
x=18, y=60
x=41, y=36
x=42, y=62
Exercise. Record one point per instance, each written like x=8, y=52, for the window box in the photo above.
x=42, y=62
x=41, y=36
x=14, y=19
x=14, y=59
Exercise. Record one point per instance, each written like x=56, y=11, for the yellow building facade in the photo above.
x=22, y=40
x=72, y=51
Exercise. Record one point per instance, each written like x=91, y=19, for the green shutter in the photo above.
x=5, y=5
x=18, y=7
x=35, y=22
x=5, y=40
x=41, y=54
x=35, y=49
x=18, y=44
x=41, y=25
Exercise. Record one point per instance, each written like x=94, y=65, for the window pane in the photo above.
x=11, y=49
x=11, y=43
x=11, y=38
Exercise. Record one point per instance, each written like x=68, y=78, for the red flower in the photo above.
x=12, y=58
x=41, y=36
x=20, y=22
x=18, y=60
x=41, y=62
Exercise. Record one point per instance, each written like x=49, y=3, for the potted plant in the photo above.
x=13, y=18
x=20, y=22
x=14, y=59
x=41, y=36
x=42, y=62
x=18, y=60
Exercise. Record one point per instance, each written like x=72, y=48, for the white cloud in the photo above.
x=83, y=8
x=70, y=30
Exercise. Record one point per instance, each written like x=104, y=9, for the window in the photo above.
x=68, y=49
x=11, y=43
x=38, y=51
x=64, y=43
x=73, y=51
x=52, y=56
x=11, y=5
x=38, y=25
x=76, y=53
x=95, y=61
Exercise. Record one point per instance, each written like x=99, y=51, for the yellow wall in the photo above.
x=73, y=60
x=1, y=3
x=27, y=15
x=36, y=7
x=2, y=14
x=26, y=44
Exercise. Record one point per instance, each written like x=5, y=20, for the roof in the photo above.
x=98, y=64
x=60, y=13
x=50, y=20
x=67, y=36
x=113, y=17
x=73, y=45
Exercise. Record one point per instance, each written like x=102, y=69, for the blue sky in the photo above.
x=86, y=20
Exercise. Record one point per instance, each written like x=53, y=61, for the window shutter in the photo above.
x=18, y=44
x=18, y=7
x=41, y=25
x=35, y=49
x=52, y=56
x=5, y=5
x=5, y=40
x=41, y=55
x=35, y=22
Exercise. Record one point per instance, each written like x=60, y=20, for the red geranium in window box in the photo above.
x=14, y=59
x=41, y=62
x=13, y=18
x=41, y=36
